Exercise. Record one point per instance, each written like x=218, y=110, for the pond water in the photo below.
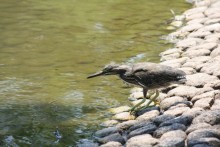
x=48, y=48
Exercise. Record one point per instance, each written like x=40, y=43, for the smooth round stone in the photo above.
x=112, y=144
x=109, y=123
x=171, y=28
x=124, y=116
x=145, y=140
x=119, y=109
x=177, y=24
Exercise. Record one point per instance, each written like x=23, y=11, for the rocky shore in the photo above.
x=188, y=114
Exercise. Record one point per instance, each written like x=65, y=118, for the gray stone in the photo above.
x=120, y=109
x=188, y=91
x=198, y=126
x=86, y=143
x=161, y=118
x=148, y=115
x=172, y=142
x=215, y=52
x=204, y=103
x=211, y=94
x=210, y=141
x=185, y=120
x=189, y=42
x=112, y=144
x=211, y=117
x=196, y=53
x=140, y=125
x=106, y=131
x=161, y=130
x=125, y=125
x=150, y=128
x=199, y=79
x=174, y=134
x=123, y=116
x=193, y=112
x=113, y=137
x=202, y=145
x=171, y=101
x=176, y=111
x=145, y=140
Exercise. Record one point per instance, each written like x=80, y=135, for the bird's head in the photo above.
x=111, y=69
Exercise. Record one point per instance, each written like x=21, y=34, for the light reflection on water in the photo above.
x=47, y=48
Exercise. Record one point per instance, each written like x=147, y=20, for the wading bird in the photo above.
x=146, y=75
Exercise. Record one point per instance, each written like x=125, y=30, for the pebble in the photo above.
x=109, y=123
x=185, y=120
x=148, y=115
x=145, y=140
x=215, y=52
x=211, y=117
x=106, y=131
x=197, y=127
x=112, y=144
x=211, y=94
x=161, y=118
x=161, y=130
x=112, y=137
x=171, y=101
x=123, y=116
x=176, y=111
x=148, y=129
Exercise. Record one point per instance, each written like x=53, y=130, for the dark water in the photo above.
x=47, y=48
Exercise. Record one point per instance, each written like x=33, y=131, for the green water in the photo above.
x=47, y=48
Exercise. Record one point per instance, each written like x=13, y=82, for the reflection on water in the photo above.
x=47, y=48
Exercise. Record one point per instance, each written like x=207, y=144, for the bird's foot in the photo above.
x=137, y=107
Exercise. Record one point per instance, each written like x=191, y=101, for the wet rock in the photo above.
x=211, y=94
x=187, y=91
x=198, y=126
x=140, y=125
x=161, y=118
x=145, y=140
x=209, y=141
x=119, y=109
x=204, y=103
x=193, y=112
x=113, y=137
x=215, y=52
x=150, y=128
x=185, y=120
x=196, y=53
x=189, y=42
x=176, y=126
x=176, y=23
x=199, y=79
x=188, y=70
x=135, y=96
x=148, y=115
x=211, y=117
x=177, y=111
x=123, y=116
x=125, y=125
x=109, y=123
x=106, y=131
x=179, y=17
x=86, y=143
x=171, y=101
x=112, y=144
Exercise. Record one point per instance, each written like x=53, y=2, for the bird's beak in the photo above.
x=100, y=73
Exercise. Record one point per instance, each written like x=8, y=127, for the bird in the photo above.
x=147, y=75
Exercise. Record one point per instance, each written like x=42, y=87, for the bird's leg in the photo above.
x=151, y=100
x=144, y=99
